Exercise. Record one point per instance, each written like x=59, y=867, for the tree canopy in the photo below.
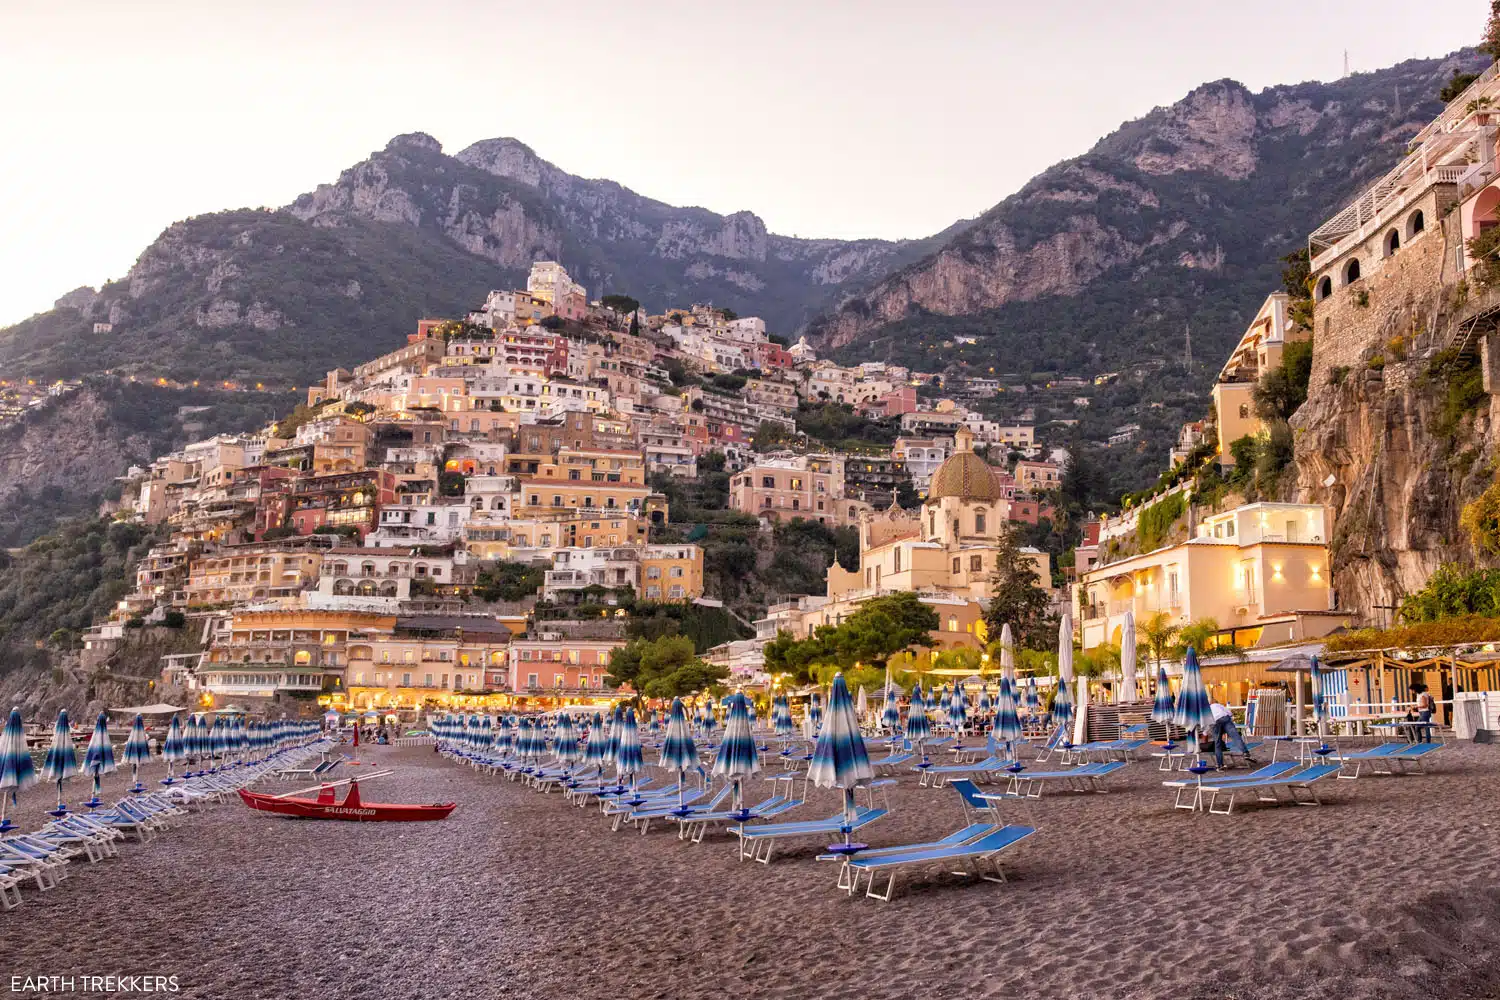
x=665, y=667
x=880, y=628
x=1019, y=599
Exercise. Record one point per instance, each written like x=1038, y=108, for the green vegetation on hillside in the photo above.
x=56, y=587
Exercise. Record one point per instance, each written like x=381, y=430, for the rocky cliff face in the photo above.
x=1180, y=214
x=498, y=200
x=1396, y=443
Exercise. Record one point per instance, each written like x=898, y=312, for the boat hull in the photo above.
x=360, y=812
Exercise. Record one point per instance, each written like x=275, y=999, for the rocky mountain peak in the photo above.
x=414, y=140
x=506, y=157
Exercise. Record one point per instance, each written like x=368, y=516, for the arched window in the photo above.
x=1415, y=223
x=952, y=623
x=1351, y=271
x=1392, y=242
x=1325, y=288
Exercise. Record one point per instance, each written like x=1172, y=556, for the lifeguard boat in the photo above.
x=354, y=808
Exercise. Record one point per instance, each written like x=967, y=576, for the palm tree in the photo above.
x=1159, y=637
x=1202, y=635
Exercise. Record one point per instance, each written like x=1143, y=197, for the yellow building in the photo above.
x=257, y=653
x=235, y=574
x=950, y=544
x=540, y=493
x=671, y=572
x=536, y=537
x=1259, y=351
x=1260, y=571
x=430, y=661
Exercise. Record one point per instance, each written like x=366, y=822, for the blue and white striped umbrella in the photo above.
x=218, y=738
x=710, y=722
x=99, y=759
x=1193, y=712
x=137, y=752
x=565, y=740
x=815, y=712
x=505, y=737
x=781, y=717
x=678, y=753
x=62, y=759
x=737, y=758
x=1320, y=703
x=1007, y=727
x=612, y=744
x=629, y=759
x=173, y=749
x=1062, y=707
x=1033, y=700
x=918, y=726
x=1163, y=709
x=985, y=705
x=16, y=768
x=890, y=717
x=958, y=707
x=839, y=759
x=593, y=750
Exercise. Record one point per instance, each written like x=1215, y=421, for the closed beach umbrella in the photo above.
x=736, y=758
x=1163, y=708
x=1007, y=726
x=593, y=750
x=1193, y=712
x=815, y=712
x=710, y=721
x=1062, y=707
x=1033, y=700
x=985, y=705
x=678, y=752
x=839, y=759
x=505, y=737
x=1320, y=704
x=1127, y=660
x=612, y=744
x=173, y=748
x=565, y=741
x=891, y=716
x=918, y=727
x=62, y=759
x=861, y=702
x=137, y=752
x=958, y=707
x=781, y=717
x=99, y=760
x=16, y=769
x=628, y=758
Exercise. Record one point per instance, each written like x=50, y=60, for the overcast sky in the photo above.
x=827, y=118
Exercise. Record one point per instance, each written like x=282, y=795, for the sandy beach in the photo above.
x=1384, y=892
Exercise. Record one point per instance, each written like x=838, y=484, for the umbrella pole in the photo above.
x=62, y=810
x=5, y=824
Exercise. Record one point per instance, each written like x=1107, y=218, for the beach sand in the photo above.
x=1387, y=891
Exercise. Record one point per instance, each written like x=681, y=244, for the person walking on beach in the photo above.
x=1226, y=731
x=1422, y=732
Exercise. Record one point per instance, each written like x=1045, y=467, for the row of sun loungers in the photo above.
x=43, y=857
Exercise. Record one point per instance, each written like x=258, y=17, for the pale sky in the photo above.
x=842, y=118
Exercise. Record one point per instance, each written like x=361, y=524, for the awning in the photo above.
x=160, y=708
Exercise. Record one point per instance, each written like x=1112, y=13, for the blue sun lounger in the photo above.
x=1085, y=778
x=1296, y=784
x=757, y=842
x=665, y=811
x=1193, y=785
x=1390, y=758
x=975, y=856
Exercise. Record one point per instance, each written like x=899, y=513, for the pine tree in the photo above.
x=1019, y=600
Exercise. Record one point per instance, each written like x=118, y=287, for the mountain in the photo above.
x=1175, y=220
x=343, y=273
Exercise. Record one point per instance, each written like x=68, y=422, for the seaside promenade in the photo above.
x=521, y=895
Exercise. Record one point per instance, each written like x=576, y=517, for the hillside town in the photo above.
x=346, y=555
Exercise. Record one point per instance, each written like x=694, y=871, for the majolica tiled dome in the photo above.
x=964, y=475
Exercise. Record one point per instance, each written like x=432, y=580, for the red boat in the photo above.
x=352, y=808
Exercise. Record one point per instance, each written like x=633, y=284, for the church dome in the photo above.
x=964, y=474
